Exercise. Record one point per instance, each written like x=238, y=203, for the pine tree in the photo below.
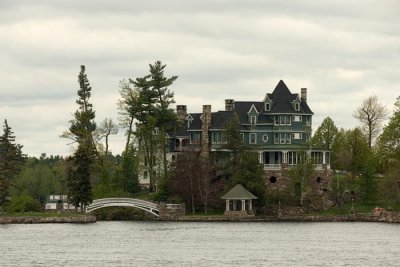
x=81, y=130
x=11, y=160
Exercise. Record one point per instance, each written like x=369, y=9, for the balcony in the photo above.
x=272, y=167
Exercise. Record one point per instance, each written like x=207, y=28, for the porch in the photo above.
x=275, y=159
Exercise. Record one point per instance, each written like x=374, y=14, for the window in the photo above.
x=296, y=136
x=297, y=106
x=307, y=137
x=265, y=138
x=253, y=120
x=267, y=106
x=282, y=138
x=282, y=120
x=242, y=136
x=195, y=138
x=308, y=121
x=253, y=138
x=289, y=120
x=276, y=138
x=297, y=118
x=276, y=120
x=288, y=139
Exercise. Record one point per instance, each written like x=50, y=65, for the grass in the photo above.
x=359, y=207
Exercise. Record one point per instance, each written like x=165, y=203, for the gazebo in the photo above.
x=239, y=202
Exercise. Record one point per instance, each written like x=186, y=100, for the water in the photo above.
x=200, y=244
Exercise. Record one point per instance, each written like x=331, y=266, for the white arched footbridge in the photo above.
x=147, y=206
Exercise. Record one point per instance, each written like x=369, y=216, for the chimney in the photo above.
x=181, y=112
x=205, y=127
x=304, y=94
x=229, y=104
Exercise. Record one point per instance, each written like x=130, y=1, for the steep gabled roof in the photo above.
x=218, y=119
x=242, y=107
x=282, y=101
x=238, y=192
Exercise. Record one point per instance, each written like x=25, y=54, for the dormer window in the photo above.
x=189, y=120
x=267, y=106
x=253, y=120
x=297, y=106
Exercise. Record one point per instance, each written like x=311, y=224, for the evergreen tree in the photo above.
x=11, y=160
x=146, y=102
x=81, y=129
x=249, y=173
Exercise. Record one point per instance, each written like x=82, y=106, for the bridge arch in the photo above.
x=147, y=206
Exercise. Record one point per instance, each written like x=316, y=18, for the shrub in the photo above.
x=23, y=203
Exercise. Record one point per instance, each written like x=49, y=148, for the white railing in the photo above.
x=138, y=202
x=272, y=166
x=124, y=202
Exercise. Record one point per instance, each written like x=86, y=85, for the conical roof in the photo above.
x=238, y=192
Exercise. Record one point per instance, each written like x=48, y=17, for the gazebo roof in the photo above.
x=238, y=192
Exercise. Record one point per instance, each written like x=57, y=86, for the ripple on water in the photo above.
x=200, y=244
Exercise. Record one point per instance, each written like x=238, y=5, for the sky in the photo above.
x=342, y=51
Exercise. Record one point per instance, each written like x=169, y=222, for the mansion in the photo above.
x=278, y=128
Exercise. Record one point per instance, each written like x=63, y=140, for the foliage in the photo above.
x=79, y=185
x=146, y=101
x=81, y=130
x=325, y=134
x=193, y=181
x=11, y=160
x=23, y=203
x=389, y=152
x=249, y=173
x=41, y=177
x=371, y=114
x=231, y=150
x=129, y=171
x=301, y=177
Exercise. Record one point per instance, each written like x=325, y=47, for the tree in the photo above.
x=231, y=150
x=250, y=173
x=371, y=114
x=81, y=131
x=301, y=176
x=79, y=187
x=107, y=128
x=325, y=135
x=11, y=159
x=389, y=152
x=146, y=102
x=164, y=114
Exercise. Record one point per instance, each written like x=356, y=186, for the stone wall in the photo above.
x=171, y=211
x=33, y=219
x=239, y=213
x=279, y=186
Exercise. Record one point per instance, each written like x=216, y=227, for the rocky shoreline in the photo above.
x=385, y=216
x=55, y=219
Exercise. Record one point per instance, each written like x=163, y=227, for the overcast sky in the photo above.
x=342, y=51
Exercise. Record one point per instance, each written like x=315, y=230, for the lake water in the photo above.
x=200, y=244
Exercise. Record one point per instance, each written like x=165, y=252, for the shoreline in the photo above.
x=23, y=219
x=384, y=217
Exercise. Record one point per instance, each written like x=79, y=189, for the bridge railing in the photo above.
x=138, y=202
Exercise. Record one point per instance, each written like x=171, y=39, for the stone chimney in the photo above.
x=181, y=112
x=229, y=105
x=205, y=127
x=304, y=94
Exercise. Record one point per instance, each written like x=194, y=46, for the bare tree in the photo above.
x=107, y=127
x=371, y=114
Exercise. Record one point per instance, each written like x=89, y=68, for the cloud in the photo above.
x=219, y=49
